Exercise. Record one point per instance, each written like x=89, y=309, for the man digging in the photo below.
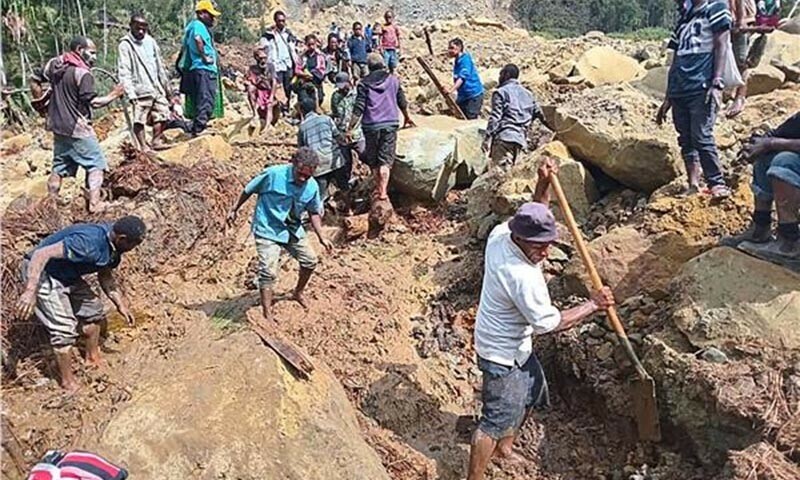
x=62, y=300
x=285, y=193
x=515, y=304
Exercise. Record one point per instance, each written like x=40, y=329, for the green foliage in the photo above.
x=643, y=34
x=574, y=17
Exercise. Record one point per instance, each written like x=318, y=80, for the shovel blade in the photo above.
x=643, y=391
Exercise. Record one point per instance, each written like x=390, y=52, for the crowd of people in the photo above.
x=365, y=116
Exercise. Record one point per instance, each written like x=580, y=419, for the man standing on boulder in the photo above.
x=62, y=300
x=201, y=60
x=69, y=117
x=285, y=193
x=513, y=111
x=514, y=305
x=142, y=73
x=694, y=90
x=379, y=96
x=776, y=179
x=466, y=80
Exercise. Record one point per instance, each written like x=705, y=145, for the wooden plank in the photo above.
x=447, y=98
x=284, y=348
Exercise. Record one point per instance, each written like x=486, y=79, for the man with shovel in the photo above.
x=514, y=304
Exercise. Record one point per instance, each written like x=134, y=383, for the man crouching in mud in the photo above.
x=62, y=300
x=515, y=304
x=284, y=192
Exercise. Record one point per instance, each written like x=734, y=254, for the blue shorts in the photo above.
x=390, y=58
x=508, y=393
x=70, y=153
x=784, y=166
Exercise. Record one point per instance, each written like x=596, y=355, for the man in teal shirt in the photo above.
x=284, y=192
x=200, y=82
x=466, y=80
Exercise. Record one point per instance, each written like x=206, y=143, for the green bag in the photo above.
x=190, y=109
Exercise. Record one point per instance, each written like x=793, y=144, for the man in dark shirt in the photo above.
x=694, y=89
x=359, y=46
x=59, y=296
x=69, y=117
x=776, y=179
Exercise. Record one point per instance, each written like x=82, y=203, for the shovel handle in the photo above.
x=597, y=283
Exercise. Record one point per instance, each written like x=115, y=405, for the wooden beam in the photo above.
x=447, y=98
x=288, y=352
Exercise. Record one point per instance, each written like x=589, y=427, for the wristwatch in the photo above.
x=718, y=83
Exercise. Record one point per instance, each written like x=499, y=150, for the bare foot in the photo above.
x=299, y=298
x=269, y=317
x=736, y=108
x=70, y=386
x=510, y=458
x=95, y=361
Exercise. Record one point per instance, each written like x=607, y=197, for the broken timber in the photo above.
x=447, y=98
x=288, y=352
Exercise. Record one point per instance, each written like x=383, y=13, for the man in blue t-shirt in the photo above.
x=285, y=193
x=694, y=89
x=203, y=67
x=59, y=296
x=466, y=80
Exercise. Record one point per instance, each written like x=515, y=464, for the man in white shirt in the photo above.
x=280, y=43
x=515, y=304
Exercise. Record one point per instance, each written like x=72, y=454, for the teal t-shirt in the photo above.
x=193, y=29
x=281, y=203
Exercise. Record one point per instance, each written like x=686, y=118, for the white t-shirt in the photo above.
x=514, y=302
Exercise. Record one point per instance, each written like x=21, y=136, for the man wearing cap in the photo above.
x=57, y=293
x=200, y=56
x=515, y=304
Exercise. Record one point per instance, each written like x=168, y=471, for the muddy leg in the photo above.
x=382, y=181
x=266, y=303
x=64, y=361
x=138, y=132
x=91, y=332
x=480, y=453
x=302, y=281
x=94, y=180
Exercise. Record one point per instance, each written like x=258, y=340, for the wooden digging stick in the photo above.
x=447, y=98
x=288, y=352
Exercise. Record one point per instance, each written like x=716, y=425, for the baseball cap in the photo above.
x=207, y=6
x=342, y=79
x=534, y=222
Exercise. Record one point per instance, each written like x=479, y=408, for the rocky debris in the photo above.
x=759, y=461
x=783, y=47
x=654, y=82
x=204, y=147
x=727, y=299
x=605, y=66
x=17, y=143
x=631, y=263
x=792, y=72
x=436, y=155
x=266, y=423
x=610, y=127
x=764, y=79
x=487, y=22
x=713, y=355
x=578, y=184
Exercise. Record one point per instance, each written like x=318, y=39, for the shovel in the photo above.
x=643, y=388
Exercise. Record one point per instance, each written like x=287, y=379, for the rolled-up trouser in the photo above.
x=204, y=91
x=269, y=253
x=694, y=120
x=508, y=393
x=784, y=166
x=63, y=308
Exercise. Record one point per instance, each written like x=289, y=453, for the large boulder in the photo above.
x=604, y=66
x=727, y=299
x=229, y=408
x=440, y=153
x=201, y=148
x=654, y=82
x=631, y=263
x=764, y=79
x=611, y=127
x=782, y=46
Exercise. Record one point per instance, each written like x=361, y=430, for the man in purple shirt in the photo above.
x=379, y=97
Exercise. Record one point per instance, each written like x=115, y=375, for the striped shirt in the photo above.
x=693, y=41
x=319, y=133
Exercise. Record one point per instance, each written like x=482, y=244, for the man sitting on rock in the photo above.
x=319, y=133
x=515, y=304
x=514, y=109
x=62, y=300
x=285, y=193
x=694, y=90
x=776, y=178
